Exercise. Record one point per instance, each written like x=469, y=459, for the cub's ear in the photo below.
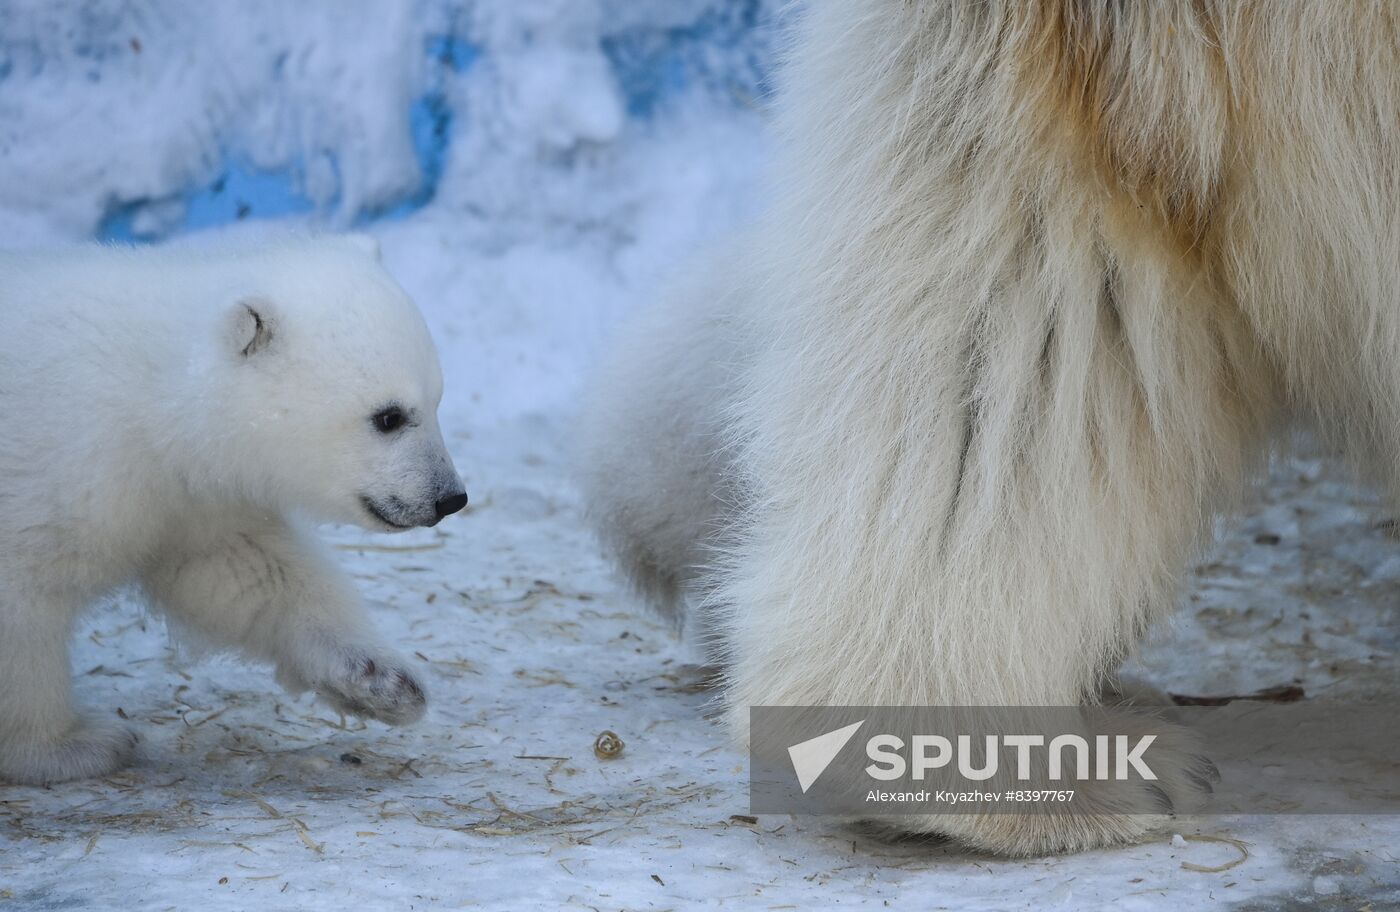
x=365, y=244
x=249, y=327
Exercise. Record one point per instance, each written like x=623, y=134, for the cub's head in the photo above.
x=328, y=386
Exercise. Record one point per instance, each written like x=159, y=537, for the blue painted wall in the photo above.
x=725, y=51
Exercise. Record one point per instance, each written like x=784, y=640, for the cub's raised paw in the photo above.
x=86, y=750
x=378, y=687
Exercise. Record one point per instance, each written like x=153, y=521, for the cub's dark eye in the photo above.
x=388, y=420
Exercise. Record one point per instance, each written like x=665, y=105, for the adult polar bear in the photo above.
x=1039, y=280
x=164, y=411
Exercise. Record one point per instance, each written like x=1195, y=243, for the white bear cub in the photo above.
x=171, y=416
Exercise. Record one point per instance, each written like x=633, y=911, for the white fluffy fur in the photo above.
x=659, y=475
x=1037, y=285
x=156, y=432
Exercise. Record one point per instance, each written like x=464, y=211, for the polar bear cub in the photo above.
x=172, y=417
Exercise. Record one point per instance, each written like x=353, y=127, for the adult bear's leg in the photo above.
x=1000, y=387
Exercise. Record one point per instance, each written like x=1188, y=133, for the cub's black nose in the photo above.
x=451, y=504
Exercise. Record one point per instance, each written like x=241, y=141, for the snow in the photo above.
x=533, y=169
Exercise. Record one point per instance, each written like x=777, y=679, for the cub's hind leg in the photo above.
x=42, y=738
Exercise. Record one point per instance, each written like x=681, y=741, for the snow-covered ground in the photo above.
x=532, y=169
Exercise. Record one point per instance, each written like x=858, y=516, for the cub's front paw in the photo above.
x=374, y=686
x=85, y=750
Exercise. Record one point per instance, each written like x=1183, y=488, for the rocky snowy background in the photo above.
x=532, y=169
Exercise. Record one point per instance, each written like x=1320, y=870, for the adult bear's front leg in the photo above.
x=976, y=487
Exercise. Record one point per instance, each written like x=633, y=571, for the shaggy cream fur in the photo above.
x=1039, y=281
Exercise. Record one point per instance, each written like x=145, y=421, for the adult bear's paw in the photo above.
x=1104, y=812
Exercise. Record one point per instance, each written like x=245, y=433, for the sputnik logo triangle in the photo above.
x=811, y=758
